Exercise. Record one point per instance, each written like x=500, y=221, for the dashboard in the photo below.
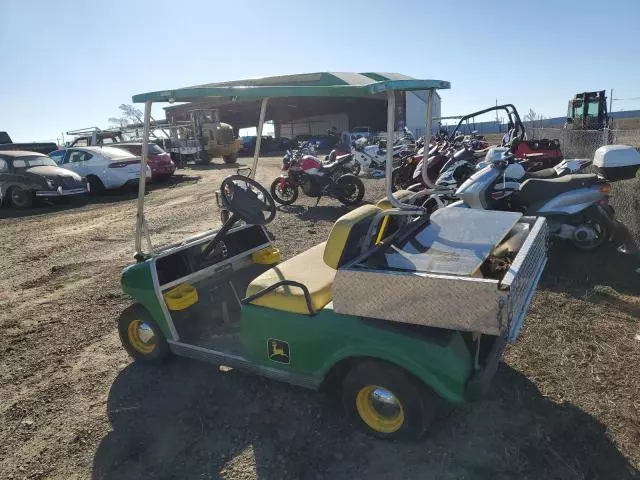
x=189, y=260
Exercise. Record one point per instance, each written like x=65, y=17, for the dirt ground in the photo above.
x=565, y=404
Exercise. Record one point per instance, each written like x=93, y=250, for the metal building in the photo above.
x=311, y=115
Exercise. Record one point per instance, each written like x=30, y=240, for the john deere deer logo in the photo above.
x=278, y=350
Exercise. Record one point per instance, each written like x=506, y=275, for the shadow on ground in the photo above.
x=583, y=274
x=187, y=420
x=318, y=212
x=215, y=166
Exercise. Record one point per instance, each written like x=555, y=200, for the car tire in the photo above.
x=95, y=184
x=20, y=198
x=387, y=402
x=141, y=336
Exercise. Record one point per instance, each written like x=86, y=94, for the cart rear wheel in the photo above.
x=140, y=335
x=233, y=158
x=387, y=402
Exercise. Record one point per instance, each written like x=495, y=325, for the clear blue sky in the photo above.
x=68, y=64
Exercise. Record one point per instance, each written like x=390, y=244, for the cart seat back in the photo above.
x=401, y=195
x=344, y=241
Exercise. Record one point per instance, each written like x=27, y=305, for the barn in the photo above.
x=313, y=115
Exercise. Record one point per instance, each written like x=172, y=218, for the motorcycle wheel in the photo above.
x=352, y=190
x=581, y=242
x=286, y=195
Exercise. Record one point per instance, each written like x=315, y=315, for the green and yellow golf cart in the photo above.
x=397, y=309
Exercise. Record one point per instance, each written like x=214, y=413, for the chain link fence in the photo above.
x=625, y=194
x=584, y=143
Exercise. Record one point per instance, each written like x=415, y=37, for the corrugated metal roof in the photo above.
x=242, y=92
x=316, y=78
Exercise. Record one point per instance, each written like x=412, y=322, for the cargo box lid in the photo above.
x=613, y=156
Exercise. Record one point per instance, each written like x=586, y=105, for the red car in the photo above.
x=159, y=161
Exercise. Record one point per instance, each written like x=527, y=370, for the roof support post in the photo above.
x=256, y=152
x=391, y=120
x=143, y=179
x=427, y=137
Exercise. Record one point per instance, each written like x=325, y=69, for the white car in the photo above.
x=103, y=167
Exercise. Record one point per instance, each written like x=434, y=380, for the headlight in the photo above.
x=50, y=183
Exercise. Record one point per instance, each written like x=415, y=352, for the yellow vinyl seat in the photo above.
x=315, y=268
x=307, y=268
x=401, y=195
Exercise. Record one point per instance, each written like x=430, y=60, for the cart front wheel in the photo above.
x=141, y=336
x=386, y=402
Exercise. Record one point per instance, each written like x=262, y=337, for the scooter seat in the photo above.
x=537, y=190
x=545, y=174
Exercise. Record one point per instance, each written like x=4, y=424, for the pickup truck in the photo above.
x=7, y=144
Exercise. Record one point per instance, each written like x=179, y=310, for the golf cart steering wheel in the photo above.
x=247, y=200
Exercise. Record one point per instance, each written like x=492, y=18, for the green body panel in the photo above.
x=137, y=282
x=316, y=343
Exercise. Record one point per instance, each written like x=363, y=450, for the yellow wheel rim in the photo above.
x=141, y=336
x=380, y=409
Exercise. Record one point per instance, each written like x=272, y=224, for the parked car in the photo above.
x=103, y=167
x=282, y=144
x=158, y=160
x=41, y=147
x=248, y=144
x=25, y=176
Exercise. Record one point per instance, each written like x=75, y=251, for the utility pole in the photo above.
x=611, y=101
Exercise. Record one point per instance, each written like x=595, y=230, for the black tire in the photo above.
x=354, y=188
x=233, y=158
x=396, y=180
x=411, y=407
x=95, y=185
x=279, y=195
x=598, y=223
x=205, y=159
x=20, y=198
x=153, y=350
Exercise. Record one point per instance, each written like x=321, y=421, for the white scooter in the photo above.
x=576, y=206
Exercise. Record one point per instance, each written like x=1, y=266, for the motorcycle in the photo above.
x=352, y=166
x=373, y=158
x=316, y=180
x=576, y=205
